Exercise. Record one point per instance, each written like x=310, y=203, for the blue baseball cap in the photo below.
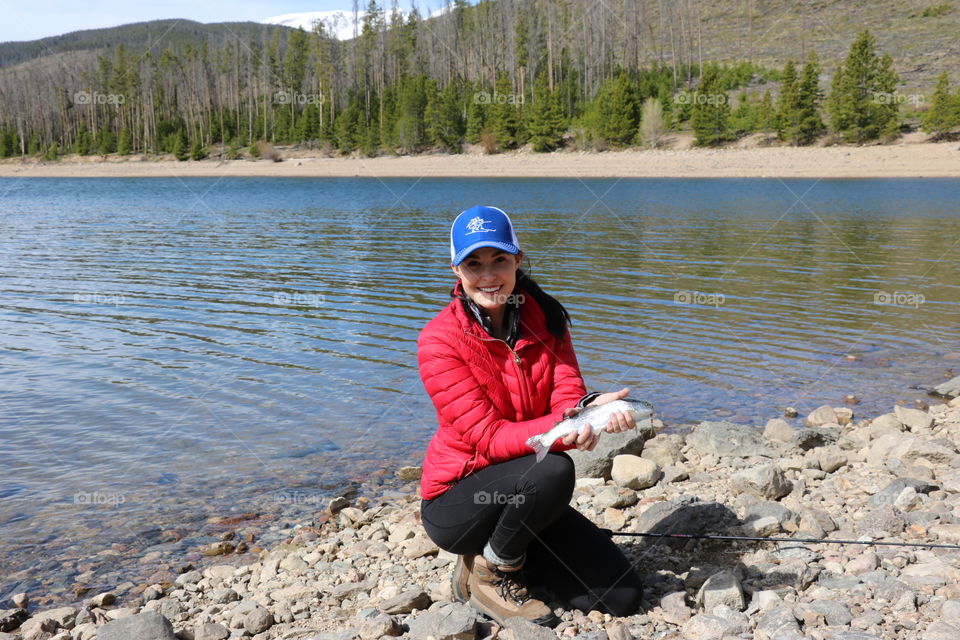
x=481, y=227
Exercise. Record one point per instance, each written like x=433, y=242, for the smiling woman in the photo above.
x=499, y=366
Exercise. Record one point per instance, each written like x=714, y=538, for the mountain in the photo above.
x=138, y=36
x=340, y=24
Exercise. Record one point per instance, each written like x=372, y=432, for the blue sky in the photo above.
x=32, y=19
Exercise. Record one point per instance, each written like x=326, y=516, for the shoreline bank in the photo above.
x=368, y=570
x=903, y=160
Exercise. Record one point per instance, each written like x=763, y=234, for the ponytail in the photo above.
x=558, y=319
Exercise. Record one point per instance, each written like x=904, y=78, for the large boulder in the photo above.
x=729, y=439
x=445, y=621
x=686, y=515
x=948, y=389
x=142, y=626
x=599, y=462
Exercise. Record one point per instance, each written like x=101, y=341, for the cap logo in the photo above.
x=476, y=225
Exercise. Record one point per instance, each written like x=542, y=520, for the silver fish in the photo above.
x=596, y=416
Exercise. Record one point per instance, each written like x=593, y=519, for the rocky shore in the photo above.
x=366, y=569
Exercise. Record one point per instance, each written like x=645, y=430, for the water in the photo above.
x=175, y=349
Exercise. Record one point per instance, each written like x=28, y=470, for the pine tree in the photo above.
x=944, y=113
x=808, y=125
x=862, y=104
x=547, y=123
x=744, y=118
x=51, y=153
x=788, y=102
x=197, y=151
x=124, y=144
x=710, y=116
x=766, y=116
x=476, y=116
x=504, y=116
x=446, y=125
x=615, y=115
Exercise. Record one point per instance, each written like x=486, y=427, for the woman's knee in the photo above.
x=556, y=470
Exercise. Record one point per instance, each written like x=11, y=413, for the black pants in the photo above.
x=521, y=506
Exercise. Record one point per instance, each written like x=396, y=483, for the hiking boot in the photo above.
x=460, y=581
x=495, y=591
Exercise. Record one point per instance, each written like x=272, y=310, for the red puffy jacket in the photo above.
x=490, y=398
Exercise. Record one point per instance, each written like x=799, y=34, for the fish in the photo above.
x=597, y=416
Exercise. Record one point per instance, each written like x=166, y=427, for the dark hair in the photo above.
x=558, y=318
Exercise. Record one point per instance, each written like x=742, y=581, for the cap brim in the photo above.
x=505, y=246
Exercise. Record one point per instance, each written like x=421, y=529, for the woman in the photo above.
x=499, y=365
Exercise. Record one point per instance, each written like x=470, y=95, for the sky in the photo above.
x=33, y=19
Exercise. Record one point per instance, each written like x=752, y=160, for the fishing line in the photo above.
x=691, y=536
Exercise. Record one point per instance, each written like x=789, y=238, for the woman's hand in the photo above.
x=619, y=421
x=585, y=439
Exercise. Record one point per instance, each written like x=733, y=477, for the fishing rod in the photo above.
x=692, y=536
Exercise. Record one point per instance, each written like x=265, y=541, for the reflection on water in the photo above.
x=200, y=344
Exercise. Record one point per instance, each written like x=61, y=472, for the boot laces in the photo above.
x=510, y=589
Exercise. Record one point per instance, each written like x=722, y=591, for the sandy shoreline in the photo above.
x=902, y=160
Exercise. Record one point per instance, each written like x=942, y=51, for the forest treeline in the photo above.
x=501, y=73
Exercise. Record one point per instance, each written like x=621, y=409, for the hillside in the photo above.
x=498, y=73
x=140, y=36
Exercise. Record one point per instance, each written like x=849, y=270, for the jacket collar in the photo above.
x=526, y=320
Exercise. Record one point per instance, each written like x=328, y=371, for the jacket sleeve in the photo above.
x=568, y=387
x=462, y=403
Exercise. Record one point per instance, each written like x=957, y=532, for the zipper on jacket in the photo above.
x=516, y=360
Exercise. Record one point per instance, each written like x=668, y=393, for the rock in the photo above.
x=913, y=419
x=409, y=474
x=821, y=416
x=448, y=621
x=599, y=462
x=102, y=600
x=211, y=631
x=766, y=481
x=673, y=473
x=706, y=627
x=785, y=517
x=406, y=602
x=614, y=518
x=418, y=546
x=775, y=621
x=890, y=493
x=617, y=630
x=864, y=563
x=607, y=497
x=337, y=505
x=950, y=612
x=142, y=626
x=940, y=630
x=190, y=577
x=523, y=629
x=684, y=515
x=882, y=522
x=831, y=459
x=790, y=412
x=257, y=620
x=721, y=588
x=813, y=437
x=835, y=613
x=634, y=472
x=62, y=617
x=221, y=548
x=762, y=527
x=946, y=533
x=948, y=389
x=379, y=626
x=844, y=414
x=224, y=595
x=729, y=439
x=674, y=607
x=296, y=591
x=20, y=600
x=11, y=619
x=664, y=449
x=910, y=450
x=219, y=572
x=778, y=430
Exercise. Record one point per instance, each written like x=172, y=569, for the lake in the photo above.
x=176, y=350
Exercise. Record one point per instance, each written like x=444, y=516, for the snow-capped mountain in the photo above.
x=340, y=24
